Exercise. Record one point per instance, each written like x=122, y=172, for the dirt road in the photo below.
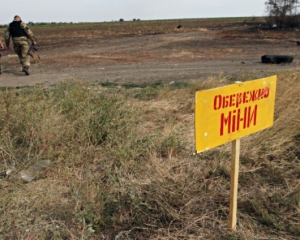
x=177, y=56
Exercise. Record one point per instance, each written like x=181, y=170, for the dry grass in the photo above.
x=123, y=166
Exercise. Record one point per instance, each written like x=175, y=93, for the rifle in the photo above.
x=32, y=50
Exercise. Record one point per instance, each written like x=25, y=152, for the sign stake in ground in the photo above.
x=228, y=113
x=235, y=158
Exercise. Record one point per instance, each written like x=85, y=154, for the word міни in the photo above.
x=240, y=117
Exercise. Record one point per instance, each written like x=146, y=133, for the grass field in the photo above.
x=123, y=165
x=123, y=162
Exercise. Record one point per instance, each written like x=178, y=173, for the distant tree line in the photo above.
x=30, y=23
x=47, y=23
x=283, y=13
x=122, y=20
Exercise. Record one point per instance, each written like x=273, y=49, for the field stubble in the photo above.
x=150, y=51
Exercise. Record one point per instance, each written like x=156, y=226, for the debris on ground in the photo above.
x=29, y=174
x=276, y=59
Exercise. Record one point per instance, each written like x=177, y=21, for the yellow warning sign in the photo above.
x=231, y=112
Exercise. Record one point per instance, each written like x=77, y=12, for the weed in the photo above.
x=108, y=84
x=123, y=165
x=179, y=85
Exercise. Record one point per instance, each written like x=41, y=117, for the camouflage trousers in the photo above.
x=21, y=48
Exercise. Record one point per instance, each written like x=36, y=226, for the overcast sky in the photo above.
x=113, y=10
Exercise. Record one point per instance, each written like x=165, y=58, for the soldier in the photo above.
x=19, y=32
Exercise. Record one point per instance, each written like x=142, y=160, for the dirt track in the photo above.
x=176, y=56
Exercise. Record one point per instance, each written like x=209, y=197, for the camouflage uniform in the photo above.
x=19, y=32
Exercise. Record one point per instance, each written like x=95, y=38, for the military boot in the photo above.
x=25, y=70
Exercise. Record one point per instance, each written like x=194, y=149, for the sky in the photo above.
x=114, y=10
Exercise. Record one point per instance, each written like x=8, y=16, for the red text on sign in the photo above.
x=238, y=119
x=235, y=100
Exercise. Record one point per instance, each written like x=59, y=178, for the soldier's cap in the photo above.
x=17, y=17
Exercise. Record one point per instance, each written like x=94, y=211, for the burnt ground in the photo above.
x=133, y=53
